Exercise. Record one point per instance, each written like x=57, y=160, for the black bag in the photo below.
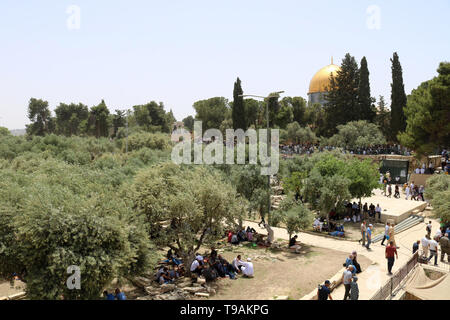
x=323, y=294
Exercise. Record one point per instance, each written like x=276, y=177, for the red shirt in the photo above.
x=390, y=251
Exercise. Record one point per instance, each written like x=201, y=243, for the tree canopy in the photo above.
x=428, y=115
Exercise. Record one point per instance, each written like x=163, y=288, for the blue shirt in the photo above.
x=369, y=232
x=121, y=296
x=109, y=296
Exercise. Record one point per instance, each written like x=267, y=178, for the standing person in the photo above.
x=407, y=192
x=415, y=246
x=347, y=280
x=369, y=236
x=397, y=192
x=421, y=191
x=363, y=233
x=445, y=247
x=386, y=233
x=263, y=222
x=391, y=250
x=425, y=245
x=354, y=290
x=389, y=190
x=433, y=251
x=392, y=234
x=428, y=228
x=378, y=210
x=323, y=293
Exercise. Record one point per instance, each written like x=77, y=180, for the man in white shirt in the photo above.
x=317, y=225
x=378, y=211
x=425, y=246
x=247, y=268
x=237, y=263
x=386, y=233
x=433, y=251
x=195, y=266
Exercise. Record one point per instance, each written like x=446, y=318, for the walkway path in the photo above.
x=375, y=276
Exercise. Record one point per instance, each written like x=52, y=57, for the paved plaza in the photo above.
x=371, y=279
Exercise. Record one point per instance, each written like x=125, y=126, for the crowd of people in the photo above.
x=308, y=148
x=431, y=245
x=118, y=295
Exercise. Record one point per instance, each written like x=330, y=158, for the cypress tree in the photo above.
x=366, y=111
x=238, y=108
x=398, y=99
x=342, y=98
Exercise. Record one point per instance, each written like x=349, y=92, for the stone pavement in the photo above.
x=375, y=276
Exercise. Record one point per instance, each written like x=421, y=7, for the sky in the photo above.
x=178, y=52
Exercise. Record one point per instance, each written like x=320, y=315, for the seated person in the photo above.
x=247, y=268
x=209, y=273
x=294, y=244
x=172, y=258
x=229, y=235
x=347, y=219
x=237, y=264
x=228, y=268
x=355, y=262
x=250, y=230
x=317, y=225
x=325, y=226
x=234, y=239
x=173, y=274
x=197, y=265
x=242, y=236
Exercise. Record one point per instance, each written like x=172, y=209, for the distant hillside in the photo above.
x=18, y=132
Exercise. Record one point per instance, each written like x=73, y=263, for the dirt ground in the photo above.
x=7, y=290
x=279, y=273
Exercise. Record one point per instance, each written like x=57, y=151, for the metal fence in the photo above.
x=388, y=289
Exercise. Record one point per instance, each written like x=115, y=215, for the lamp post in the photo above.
x=269, y=145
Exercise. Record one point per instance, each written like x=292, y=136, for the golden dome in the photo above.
x=321, y=80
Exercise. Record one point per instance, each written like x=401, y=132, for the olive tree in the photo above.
x=186, y=207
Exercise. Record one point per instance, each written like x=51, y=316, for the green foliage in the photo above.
x=69, y=117
x=238, y=113
x=4, y=132
x=40, y=117
x=297, y=134
x=189, y=123
x=140, y=140
x=186, y=207
x=437, y=191
x=357, y=134
x=99, y=121
x=212, y=112
x=54, y=215
x=293, y=215
x=398, y=98
x=383, y=118
x=342, y=99
x=366, y=110
x=294, y=182
x=428, y=115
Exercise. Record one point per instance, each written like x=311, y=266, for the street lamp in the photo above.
x=270, y=96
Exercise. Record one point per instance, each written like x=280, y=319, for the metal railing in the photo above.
x=388, y=289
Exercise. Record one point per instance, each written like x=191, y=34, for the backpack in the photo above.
x=323, y=294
